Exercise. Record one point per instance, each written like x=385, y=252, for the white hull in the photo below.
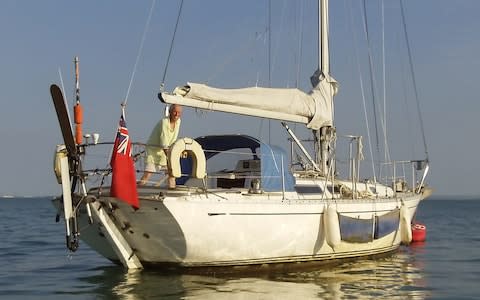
x=191, y=229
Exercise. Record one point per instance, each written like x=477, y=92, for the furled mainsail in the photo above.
x=313, y=109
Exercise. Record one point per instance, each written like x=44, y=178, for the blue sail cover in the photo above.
x=273, y=161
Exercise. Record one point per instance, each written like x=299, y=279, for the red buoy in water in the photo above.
x=419, y=232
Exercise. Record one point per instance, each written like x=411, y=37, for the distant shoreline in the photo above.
x=453, y=197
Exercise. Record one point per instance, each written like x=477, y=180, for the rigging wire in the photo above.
x=280, y=35
x=384, y=123
x=63, y=91
x=269, y=38
x=372, y=83
x=381, y=117
x=300, y=40
x=355, y=41
x=269, y=31
x=386, y=150
x=147, y=24
x=269, y=61
x=299, y=22
x=410, y=60
x=270, y=65
x=406, y=108
x=234, y=55
x=171, y=46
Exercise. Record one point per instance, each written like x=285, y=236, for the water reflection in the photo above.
x=398, y=277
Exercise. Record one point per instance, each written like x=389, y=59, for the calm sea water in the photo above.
x=36, y=265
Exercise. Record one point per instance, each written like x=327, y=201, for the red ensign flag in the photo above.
x=124, y=185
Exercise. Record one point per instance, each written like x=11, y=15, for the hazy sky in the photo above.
x=224, y=43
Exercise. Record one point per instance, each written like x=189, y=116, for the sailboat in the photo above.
x=262, y=210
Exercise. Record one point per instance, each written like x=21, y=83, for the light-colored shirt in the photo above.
x=162, y=137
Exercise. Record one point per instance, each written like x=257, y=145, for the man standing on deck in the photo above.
x=163, y=135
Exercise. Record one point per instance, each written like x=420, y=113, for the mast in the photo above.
x=324, y=57
x=323, y=136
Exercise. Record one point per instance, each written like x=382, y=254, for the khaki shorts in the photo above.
x=153, y=168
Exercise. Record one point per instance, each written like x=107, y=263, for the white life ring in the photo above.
x=195, y=150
